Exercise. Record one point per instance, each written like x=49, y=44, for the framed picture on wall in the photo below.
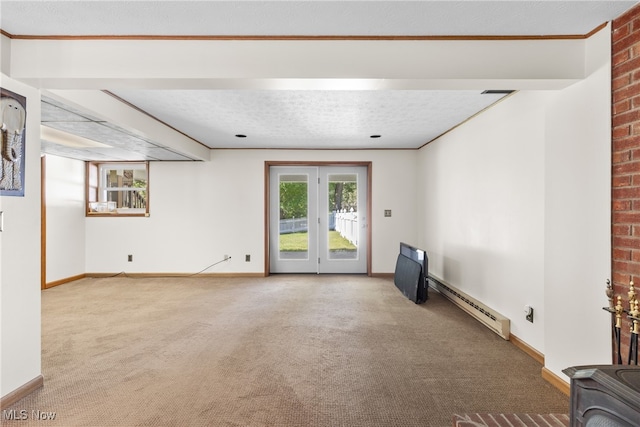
x=13, y=118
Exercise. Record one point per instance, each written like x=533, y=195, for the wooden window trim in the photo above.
x=91, y=191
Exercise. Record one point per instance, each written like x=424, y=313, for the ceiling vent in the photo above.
x=497, y=92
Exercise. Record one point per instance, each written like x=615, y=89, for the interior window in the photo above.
x=118, y=189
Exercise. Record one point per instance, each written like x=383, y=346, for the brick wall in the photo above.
x=625, y=193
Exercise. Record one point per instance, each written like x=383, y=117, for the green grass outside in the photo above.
x=298, y=242
x=294, y=242
x=339, y=243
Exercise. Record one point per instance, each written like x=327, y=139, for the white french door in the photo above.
x=293, y=230
x=318, y=220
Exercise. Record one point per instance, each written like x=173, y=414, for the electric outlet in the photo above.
x=528, y=313
x=226, y=257
x=130, y=258
x=247, y=258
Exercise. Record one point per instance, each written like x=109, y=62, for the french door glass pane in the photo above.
x=294, y=210
x=343, y=226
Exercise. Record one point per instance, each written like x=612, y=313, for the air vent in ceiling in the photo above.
x=497, y=92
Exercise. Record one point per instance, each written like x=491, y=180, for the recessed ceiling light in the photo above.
x=375, y=136
x=241, y=136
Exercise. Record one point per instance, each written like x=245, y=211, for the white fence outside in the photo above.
x=293, y=225
x=346, y=223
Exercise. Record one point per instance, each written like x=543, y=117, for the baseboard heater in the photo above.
x=489, y=317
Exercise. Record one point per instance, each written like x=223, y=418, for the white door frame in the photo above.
x=267, y=216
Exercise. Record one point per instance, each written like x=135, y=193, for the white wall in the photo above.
x=516, y=210
x=200, y=211
x=482, y=214
x=5, y=54
x=65, y=194
x=20, y=262
x=578, y=217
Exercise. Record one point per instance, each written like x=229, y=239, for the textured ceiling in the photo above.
x=319, y=17
x=288, y=118
x=119, y=143
x=312, y=119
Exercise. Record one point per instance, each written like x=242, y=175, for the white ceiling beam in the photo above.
x=298, y=64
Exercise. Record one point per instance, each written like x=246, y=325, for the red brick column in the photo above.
x=625, y=193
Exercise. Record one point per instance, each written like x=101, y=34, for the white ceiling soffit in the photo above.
x=106, y=141
x=308, y=18
x=311, y=119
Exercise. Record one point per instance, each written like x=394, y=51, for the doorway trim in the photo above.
x=267, y=167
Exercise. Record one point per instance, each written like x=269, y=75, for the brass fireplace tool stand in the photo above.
x=633, y=315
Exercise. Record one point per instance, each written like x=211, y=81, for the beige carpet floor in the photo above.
x=286, y=350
